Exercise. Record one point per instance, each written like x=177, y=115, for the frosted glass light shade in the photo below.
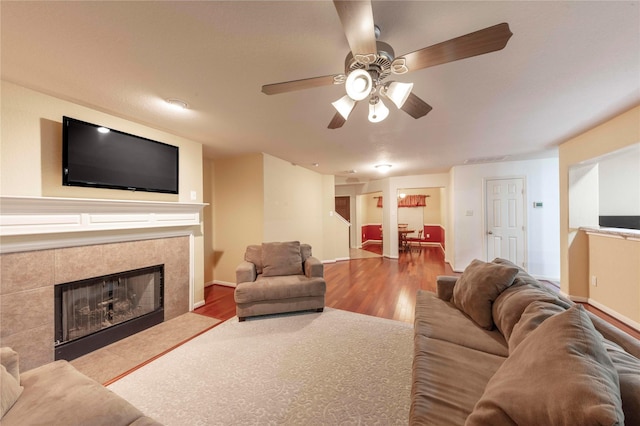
x=398, y=92
x=344, y=105
x=358, y=85
x=377, y=111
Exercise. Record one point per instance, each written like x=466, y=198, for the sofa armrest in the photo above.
x=245, y=272
x=313, y=267
x=444, y=287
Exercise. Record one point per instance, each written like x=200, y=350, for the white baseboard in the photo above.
x=578, y=299
x=198, y=304
x=628, y=321
x=339, y=259
x=224, y=283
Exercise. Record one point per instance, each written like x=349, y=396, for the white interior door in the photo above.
x=505, y=220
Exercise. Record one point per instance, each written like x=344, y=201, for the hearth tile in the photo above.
x=34, y=346
x=78, y=263
x=24, y=271
x=26, y=310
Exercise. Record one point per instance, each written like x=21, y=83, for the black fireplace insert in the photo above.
x=96, y=312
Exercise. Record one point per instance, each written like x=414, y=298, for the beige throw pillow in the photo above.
x=10, y=390
x=560, y=374
x=478, y=287
x=281, y=259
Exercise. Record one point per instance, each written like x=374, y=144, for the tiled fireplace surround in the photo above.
x=28, y=277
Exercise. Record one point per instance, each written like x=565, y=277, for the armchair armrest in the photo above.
x=245, y=272
x=444, y=287
x=313, y=267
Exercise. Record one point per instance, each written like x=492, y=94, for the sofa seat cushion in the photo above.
x=560, y=374
x=440, y=320
x=477, y=288
x=448, y=380
x=279, y=288
x=57, y=393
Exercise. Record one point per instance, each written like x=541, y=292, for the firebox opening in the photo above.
x=96, y=312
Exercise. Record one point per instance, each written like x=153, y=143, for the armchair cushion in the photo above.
x=281, y=259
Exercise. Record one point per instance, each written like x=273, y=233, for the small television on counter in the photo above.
x=96, y=156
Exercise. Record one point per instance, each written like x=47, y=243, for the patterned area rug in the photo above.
x=334, y=367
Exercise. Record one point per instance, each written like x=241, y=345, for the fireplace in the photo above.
x=95, y=312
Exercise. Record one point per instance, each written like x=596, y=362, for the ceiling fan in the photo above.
x=371, y=62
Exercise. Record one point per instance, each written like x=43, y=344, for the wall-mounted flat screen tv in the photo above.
x=99, y=157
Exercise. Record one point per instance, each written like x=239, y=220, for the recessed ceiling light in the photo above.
x=383, y=168
x=315, y=164
x=352, y=171
x=177, y=103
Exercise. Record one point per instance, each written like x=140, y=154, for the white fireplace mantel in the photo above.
x=28, y=223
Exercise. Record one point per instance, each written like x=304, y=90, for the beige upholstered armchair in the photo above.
x=279, y=277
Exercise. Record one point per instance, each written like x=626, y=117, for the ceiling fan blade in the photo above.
x=291, y=86
x=477, y=43
x=337, y=121
x=416, y=107
x=357, y=21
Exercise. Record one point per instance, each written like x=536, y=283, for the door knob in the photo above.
x=490, y=233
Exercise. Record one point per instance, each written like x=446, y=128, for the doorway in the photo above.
x=505, y=220
x=343, y=208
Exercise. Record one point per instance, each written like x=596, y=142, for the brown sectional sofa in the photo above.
x=58, y=394
x=541, y=359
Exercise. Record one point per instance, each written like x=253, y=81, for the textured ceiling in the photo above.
x=569, y=66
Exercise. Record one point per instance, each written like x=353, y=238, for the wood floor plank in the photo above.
x=374, y=286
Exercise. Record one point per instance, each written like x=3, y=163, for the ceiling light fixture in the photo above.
x=397, y=92
x=103, y=130
x=377, y=110
x=358, y=84
x=383, y=168
x=177, y=104
x=344, y=105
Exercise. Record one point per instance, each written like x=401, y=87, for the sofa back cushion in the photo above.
x=535, y=313
x=511, y=303
x=253, y=254
x=281, y=259
x=478, y=287
x=305, y=252
x=559, y=375
x=628, y=369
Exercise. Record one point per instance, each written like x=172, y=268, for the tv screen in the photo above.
x=99, y=157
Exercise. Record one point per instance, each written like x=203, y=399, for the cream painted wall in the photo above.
x=372, y=213
x=617, y=133
x=618, y=287
x=295, y=204
x=31, y=155
x=468, y=231
x=208, y=220
x=238, y=186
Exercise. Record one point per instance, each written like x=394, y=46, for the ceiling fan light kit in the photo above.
x=358, y=85
x=344, y=105
x=378, y=111
x=370, y=62
x=397, y=92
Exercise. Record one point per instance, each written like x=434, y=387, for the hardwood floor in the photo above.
x=373, y=286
